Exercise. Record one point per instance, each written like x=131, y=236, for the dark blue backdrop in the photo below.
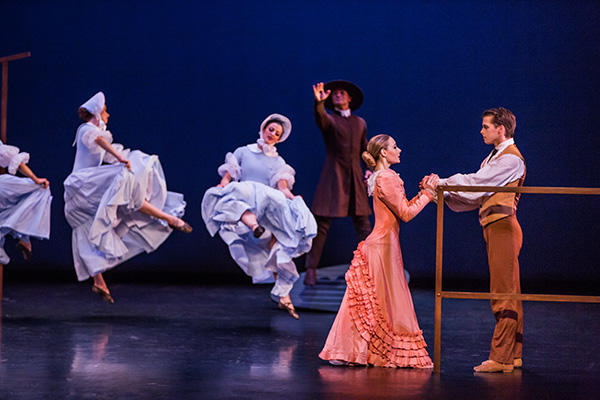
x=190, y=81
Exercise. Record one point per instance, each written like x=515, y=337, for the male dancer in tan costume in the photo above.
x=505, y=166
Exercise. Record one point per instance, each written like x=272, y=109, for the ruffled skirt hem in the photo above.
x=385, y=346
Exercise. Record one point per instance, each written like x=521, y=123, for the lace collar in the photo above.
x=267, y=150
x=373, y=179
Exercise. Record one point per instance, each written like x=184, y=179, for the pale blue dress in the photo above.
x=24, y=205
x=102, y=202
x=253, y=187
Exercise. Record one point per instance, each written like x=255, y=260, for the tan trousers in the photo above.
x=503, y=241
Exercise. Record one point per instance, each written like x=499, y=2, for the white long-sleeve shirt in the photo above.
x=498, y=171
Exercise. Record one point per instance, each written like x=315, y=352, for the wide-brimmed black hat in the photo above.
x=353, y=90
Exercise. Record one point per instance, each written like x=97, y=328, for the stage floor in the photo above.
x=231, y=342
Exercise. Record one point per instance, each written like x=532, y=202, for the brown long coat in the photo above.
x=345, y=140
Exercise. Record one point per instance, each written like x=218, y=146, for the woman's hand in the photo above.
x=282, y=185
x=320, y=95
x=126, y=162
x=42, y=182
x=287, y=193
x=224, y=182
x=25, y=170
x=430, y=182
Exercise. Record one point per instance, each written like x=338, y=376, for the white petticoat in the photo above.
x=290, y=221
x=24, y=210
x=101, y=205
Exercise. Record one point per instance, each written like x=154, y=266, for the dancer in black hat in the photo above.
x=341, y=190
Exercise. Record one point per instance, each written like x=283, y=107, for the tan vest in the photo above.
x=502, y=204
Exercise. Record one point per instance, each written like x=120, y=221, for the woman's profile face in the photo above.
x=104, y=115
x=272, y=133
x=392, y=152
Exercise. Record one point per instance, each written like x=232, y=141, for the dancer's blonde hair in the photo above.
x=376, y=144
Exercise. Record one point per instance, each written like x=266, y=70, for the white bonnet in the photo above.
x=95, y=104
x=285, y=122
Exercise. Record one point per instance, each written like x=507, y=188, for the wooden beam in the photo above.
x=437, y=341
x=522, y=189
x=440, y=294
x=15, y=57
x=3, y=107
x=523, y=297
x=4, y=101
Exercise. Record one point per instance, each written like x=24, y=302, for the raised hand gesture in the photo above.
x=320, y=95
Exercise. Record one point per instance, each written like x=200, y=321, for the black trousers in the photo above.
x=362, y=225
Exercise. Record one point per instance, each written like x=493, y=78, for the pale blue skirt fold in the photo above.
x=24, y=210
x=290, y=221
x=101, y=205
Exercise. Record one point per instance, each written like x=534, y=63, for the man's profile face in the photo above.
x=492, y=134
x=340, y=99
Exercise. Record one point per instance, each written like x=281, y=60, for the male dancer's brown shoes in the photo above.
x=493, y=366
x=518, y=363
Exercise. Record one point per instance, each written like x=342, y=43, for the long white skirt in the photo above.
x=290, y=221
x=101, y=205
x=24, y=211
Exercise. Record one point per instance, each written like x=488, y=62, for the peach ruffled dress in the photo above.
x=376, y=323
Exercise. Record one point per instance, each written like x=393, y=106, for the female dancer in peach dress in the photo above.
x=376, y=323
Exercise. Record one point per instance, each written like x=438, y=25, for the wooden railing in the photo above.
x=441, y=294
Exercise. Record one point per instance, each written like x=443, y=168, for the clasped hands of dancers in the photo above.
x=117, y=204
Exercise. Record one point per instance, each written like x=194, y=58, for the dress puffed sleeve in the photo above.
x=11, y=158
x=232, y=165
x=390, y=190
x=89, y=135
x=286, y=173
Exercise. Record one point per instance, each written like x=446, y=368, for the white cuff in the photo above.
x=286, y=173
x=231, y=165
x=89, y=139
x=13, y=166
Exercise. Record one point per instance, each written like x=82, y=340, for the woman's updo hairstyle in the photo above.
x=277, y=121
x=84, y=114
x=374, y=147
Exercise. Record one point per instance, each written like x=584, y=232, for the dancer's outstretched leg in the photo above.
x=249, y=219
x=173, y=221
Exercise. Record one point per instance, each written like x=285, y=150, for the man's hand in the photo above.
x=367, y=175
x=320, y=95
